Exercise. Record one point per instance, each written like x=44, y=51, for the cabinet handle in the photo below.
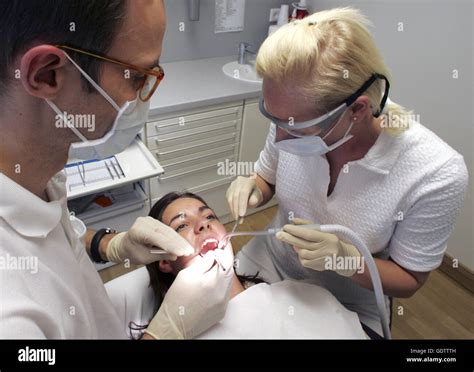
x=160, y=153
x=158, y=141
x=187, y=172
x=197, y=117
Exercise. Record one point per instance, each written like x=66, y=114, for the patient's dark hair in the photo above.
x=160, y=281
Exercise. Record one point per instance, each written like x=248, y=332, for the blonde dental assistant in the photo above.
x=336, y=154
x=107, y=68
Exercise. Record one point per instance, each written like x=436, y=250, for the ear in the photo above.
x=42, y=71
x=165, y=266
x=361, y=108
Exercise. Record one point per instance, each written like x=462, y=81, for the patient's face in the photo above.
x=198, y=224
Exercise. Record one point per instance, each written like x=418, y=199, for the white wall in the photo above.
x=437, y=38
x=199, y=41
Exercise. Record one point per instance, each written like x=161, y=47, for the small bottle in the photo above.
x=300, y=10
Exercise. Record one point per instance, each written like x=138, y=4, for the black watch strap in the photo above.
x=96, y=242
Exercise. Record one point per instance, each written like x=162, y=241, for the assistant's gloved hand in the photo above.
x=147, y=234
x=314, y=247
x=196, y=300
x=243, y=193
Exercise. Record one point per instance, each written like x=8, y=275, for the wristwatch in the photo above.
x=95, y=255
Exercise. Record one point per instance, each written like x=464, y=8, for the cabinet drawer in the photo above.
x=192, y=135
x=188, y=177
x=174, y=165
x=171, y=152
x=198, y=120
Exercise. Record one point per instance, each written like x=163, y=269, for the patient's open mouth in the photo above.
x=209, y=245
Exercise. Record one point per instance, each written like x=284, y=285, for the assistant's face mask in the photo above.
x=130, y=119
x=313, y=145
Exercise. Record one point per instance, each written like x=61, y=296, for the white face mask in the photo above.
x=313, y=145
x=129, y=121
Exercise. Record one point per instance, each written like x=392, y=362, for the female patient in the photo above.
x=287, y=309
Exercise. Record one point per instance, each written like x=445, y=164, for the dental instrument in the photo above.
x=225, y=240
x=356, y=241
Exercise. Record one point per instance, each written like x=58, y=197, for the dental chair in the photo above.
x=132, y=297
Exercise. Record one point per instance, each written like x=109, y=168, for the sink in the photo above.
x=241, y=72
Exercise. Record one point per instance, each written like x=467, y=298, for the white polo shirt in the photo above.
x=401, y=198
x=49, y=287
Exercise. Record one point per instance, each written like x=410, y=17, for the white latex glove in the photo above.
x=147, y=234
x=196, y=300
x=243, y=193
x=314, y=247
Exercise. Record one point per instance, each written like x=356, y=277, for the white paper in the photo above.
x=229, y=16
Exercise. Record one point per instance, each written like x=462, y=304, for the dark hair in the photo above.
x=160, y=281
x=90, y=25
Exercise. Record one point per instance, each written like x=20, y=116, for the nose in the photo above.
x=202, y=226
x=282, y=135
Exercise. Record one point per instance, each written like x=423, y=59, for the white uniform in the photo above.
x=286, y=310
x=402, y=199
x=61, y=295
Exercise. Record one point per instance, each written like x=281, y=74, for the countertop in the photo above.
x=192, y=84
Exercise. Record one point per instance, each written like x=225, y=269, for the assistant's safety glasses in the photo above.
x=299, y=129
x=151, y=77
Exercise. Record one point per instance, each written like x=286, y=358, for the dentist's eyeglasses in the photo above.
x=321, y=124
x=147, y=84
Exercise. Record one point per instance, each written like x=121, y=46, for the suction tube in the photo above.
x=374, y=273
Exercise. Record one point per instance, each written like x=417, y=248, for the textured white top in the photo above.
x=62, y=296
x=402, y=197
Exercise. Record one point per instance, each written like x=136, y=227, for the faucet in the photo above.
x=244, y=51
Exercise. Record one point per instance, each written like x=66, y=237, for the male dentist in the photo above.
x=59, y=59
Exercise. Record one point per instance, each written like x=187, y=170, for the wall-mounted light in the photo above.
x=193, y=9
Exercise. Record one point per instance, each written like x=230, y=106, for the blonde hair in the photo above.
x=329, y=55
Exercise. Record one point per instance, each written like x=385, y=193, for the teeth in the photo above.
x=211, y=240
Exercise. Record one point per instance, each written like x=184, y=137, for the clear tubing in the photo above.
x=361, y=247
x=373, y=271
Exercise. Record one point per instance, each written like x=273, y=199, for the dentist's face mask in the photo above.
x=130, y=119
x=311, y=145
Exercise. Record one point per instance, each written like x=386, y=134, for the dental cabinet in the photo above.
x=204, y=149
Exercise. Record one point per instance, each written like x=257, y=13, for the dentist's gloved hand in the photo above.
x=313, y=247
x=243, y=193
x=196, y=300
x=147, y=234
